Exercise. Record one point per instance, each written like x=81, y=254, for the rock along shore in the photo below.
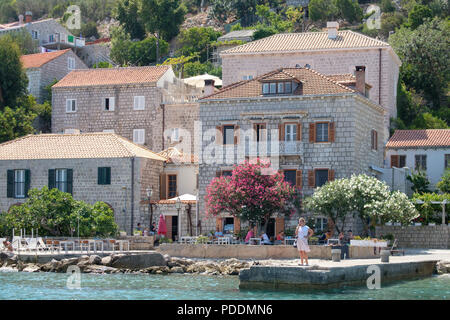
x=126, y=263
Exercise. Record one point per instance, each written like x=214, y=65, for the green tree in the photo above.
x=89, y=29
x=349, y=10
x=127, y=12
x=102, y=64
x=13, y=79
x=221, y=10
x=387, y=6
x=428, y=121
x=15, y=123
x=322, y=10
x=444, y=183
x=163, y=18
x=418, y=15
x=197, y=40
x=196, y=68
x=390, y=22
x=26, y=44
x=419, y=182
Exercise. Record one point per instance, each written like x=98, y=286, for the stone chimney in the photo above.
x=209, y=87
x=21, y=19
x=332, y=27
x=360, y=75
x=28, y=17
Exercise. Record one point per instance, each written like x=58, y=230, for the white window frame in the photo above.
x=139, y=103
x=322, y=132
x=73, y=106
x=139, y=136
x=112, y=103
x=290, y=132
x=35, y=34
x=19, y=182
x=70, y=63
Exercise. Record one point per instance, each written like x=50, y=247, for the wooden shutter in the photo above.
x=311, y=179
x=108, y=175
x=299, y=179
x=236, y=134
x=100, y=176
x=331, y=131
x=394, y=161
x=70, y=181
x=237, y=225
x=299, y=131
x=330, y=175
x=10, y=184
x=312, y=132
x=218, y=174
x=279, y=225
x=219, y=135
x=281, y=131
x=255, y=131
x=112, y=103
x=51, y=179
x=219, y=224
x=27, y=182
x=162, y=186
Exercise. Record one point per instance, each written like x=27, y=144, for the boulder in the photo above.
x=99, y=269
x=176, y=270
x=140, y=261
x=106, y=261
x=65, y=263
x=95, y=259
x=31, y=268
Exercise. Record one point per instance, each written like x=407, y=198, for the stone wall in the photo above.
x=184, y=117
x=430, y=237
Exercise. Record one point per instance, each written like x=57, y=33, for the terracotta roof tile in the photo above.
x=313, y=82
x=73, y=146
x=419, y=138
x=37, y=60
x=290, y=42
x=112, y=76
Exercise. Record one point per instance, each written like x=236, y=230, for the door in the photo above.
x=271, y=228
x=174, y=228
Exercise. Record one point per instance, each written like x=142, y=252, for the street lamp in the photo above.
x=178, y=207
x=150, y=207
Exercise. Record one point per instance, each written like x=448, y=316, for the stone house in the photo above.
x=48, y=33
x=43, y=68
x=230, y=40
x=310, y=126
x=420, y=150
x=92, y=167
x=147, y=105
x=331, y=52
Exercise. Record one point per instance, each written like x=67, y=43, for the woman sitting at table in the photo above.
x=280, y=237
x=250, y=234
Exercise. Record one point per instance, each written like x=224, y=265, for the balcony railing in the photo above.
x=274, y=148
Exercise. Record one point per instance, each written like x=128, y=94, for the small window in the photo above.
x=321, y=177
x=71, y=105
x=322, y=132
x=104, y=175
x=35, y=34
x=228, y=136
x=227, y=173
x=19, y=184
x=172, y=185
x=109, y=104
x=139, y=136
x=421, y=161
x=51, y=38
x=70, y=63
x=273, y=88
x=61, y=179
x=290, y=132
x=265, y=88
x=280, y=87
x=287, y=87
x=291, y=177
x=139, y=103
x=260, y=132
x=402, y=161
x=374, y=139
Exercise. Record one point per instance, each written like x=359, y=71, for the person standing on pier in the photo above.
x=302, y=233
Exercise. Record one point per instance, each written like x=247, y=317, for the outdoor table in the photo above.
x=289, y=241
x=65, y=243
x=257, y=240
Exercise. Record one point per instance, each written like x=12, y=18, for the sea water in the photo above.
x=53, y=286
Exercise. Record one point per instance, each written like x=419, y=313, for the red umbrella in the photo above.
x=162, y=228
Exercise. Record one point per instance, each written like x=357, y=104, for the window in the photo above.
x=172, y=185
x=273, y=88
x=175, y=135
x=51, y=38
x=291, y=177
x=321, y=224
x=247, y=77
x=228, y=136
x=287, y=87
x=61, y=180
x=109, y=104
x=139, y=136
x=374, y=139
x=35, y=34
x=421, y=161
x=104, y=175
x=322, y=132
x=290, y=132
x=277, y=87
x=265, y=88
x=19, y=183
x=402, y=161
x=447, y=161
x=260, y=131
x=227, y=173
x=139, y=103
x=71, y=105
x=321, y=177
x=280, y=87
x=70, y=63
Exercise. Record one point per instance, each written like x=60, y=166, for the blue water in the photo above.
x=52, y=286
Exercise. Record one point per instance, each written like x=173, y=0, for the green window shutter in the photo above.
x=100, y=177
x=70, y=181
x=27, y=182
x=10, y=184
x=51, y=179
x=108, y=175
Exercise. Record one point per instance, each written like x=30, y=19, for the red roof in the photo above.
x=37, y=60
x=419, y=138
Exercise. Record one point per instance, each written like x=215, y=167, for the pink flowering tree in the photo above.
x=252, y=193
